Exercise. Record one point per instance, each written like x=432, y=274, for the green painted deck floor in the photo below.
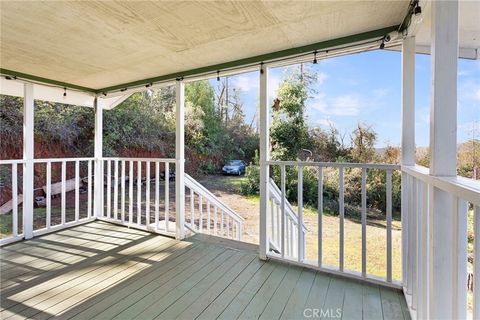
x=103, y=271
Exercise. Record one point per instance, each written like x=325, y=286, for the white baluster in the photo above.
x=157, y=194
x=130, y=192
x=364, y=222
x=109, y=188
x=63, y=200
x=48, y=222
x=320, y=217
x=167, y=196
x=89, y=189
x=115, y=191
x=300, y=215
x=139, y=192
x=14, y=200
x=147, y=195
x=342, y=217
x=389, y=225
x=122, y=177
x=77, y=190
x=282, y=200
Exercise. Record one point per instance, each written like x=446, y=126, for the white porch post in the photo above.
x=408, y=152
x=264, y=156
x=443, y=150
x=180, y=160
x=28, y=155
x=98, y=185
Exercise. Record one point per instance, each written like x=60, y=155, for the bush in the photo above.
x=251, y=184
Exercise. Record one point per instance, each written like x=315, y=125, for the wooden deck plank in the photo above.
x=215, y=308
x=296, y=303
x=197, y=306
x=225, y=272
x=353, y=301
x=276, y=305
x=318, y=292
x=372, y=302
x=162, y=298
x=241, y=300
x=78, y=234
x=256, y=306
x=71, y=272
x=111, y=278
x=46, y=254
x=391, y=306
x=183, y=251
x=334, y=298
x=53, y=262
x=46, y=247
x=403, y=304
x=108, y=271
x=163, y=281
x=65, y=289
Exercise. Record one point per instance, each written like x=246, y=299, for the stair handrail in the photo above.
x=277, y=194
x=201, y=190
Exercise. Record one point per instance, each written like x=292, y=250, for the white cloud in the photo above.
x=325, y=122
x=345, y=105
x=246, y=83
x=273, y=84
x=321, y=77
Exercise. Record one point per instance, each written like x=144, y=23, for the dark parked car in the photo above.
x=236, y=167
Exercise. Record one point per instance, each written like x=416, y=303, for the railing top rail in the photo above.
x=335, y=164
x=189, y=181
x=464, y=188
x=140, y=159
x=12, y=161
x=62, y=159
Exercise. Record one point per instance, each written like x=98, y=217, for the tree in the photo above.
x=363, y=144
x=469, y=159
x=289, y=131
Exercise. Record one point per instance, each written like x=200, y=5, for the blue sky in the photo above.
x=366, y=87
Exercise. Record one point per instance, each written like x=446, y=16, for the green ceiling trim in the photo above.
x=260, y=58
x=56, y=83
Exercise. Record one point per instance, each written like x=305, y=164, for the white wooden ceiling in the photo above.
x=97, y=44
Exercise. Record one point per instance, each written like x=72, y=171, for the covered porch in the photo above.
x=146, y=240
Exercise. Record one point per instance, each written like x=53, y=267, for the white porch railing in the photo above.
x=417, y=260
x=137, y=192
x=16, y=231
x=131, y=185
x=208, y=214
x=282, y=233
x=75, y=174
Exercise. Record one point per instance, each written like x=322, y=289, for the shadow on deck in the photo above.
x=104, y=271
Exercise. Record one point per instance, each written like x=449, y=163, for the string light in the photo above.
x=315, y=57
x=124, y=89
x=64, y=92
x=261, y=67
x=218, y=75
